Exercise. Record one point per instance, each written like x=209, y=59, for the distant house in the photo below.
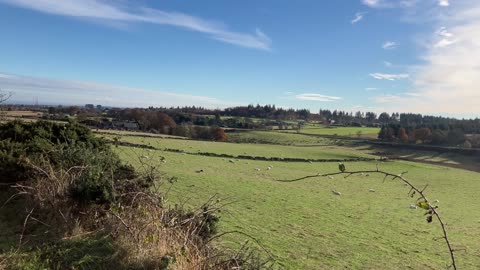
x=130, y=125
x=126, y=125
x=89, y=106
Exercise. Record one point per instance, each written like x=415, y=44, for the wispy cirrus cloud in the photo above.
x=372, y=3
x=316, y=97
x=111, y=11
x=56, y=91
x=446, y=38
x=390, y=77
x=358, y=17
x=389, y=45
x=446, y=82
x=443, y=3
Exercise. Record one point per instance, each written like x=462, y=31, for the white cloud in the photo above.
x=389, y=45
x=387, y=98
x=446, y=38
x=390, y=77
x=413, y=94
x=358, y=17
x=371, y=89
x=372, y=3
x=55, y=91
x=443, y=3
x=443, y=32
x=316, y=97
x=444, y=43
x=115, y=12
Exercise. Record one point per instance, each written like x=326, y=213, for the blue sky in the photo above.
x=381, y=55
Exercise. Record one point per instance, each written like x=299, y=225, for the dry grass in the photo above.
x=141, y=231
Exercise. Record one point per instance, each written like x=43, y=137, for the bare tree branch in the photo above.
x=415, y=190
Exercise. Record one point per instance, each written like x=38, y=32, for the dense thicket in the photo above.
x=62, y=147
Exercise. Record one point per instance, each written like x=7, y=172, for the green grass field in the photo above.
x=267, y=137
x=340, y=131
x=305, y=225
x=261, y=150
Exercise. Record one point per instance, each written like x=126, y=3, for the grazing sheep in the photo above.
x=336, y=192
x=330, y=177
x=231, y=161
x=435, y=201
x=257, y=169
x=413, y=206
x=164, y=161
x=269, y=168
x=199, y=171
x=145, y=157
x=371, y=190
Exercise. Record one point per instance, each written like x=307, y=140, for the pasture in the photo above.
x=282, y=138
x=236, y=149
x=307, y=227
x=364, y=132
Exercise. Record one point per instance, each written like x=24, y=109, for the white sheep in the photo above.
x=336, y=192
x=145, y=157
x=231, y=161
x=413, y=206
x=436, y=201
x=330, y=177
x=371, y=190
x=257, y=169
x=269, y=168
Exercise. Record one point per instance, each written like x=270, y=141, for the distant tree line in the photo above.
x=404, y=127
x=436, y=130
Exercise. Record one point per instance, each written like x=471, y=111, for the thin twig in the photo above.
x=394, y=176
x=24, y=227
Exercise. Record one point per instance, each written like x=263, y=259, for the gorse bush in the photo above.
x=63, y=147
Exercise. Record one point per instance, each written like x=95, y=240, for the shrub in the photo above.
x=62, y=147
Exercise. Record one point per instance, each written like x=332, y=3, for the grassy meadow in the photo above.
x=268, y=137
x=307, y=227
x=236, y=149
x=370, y=132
